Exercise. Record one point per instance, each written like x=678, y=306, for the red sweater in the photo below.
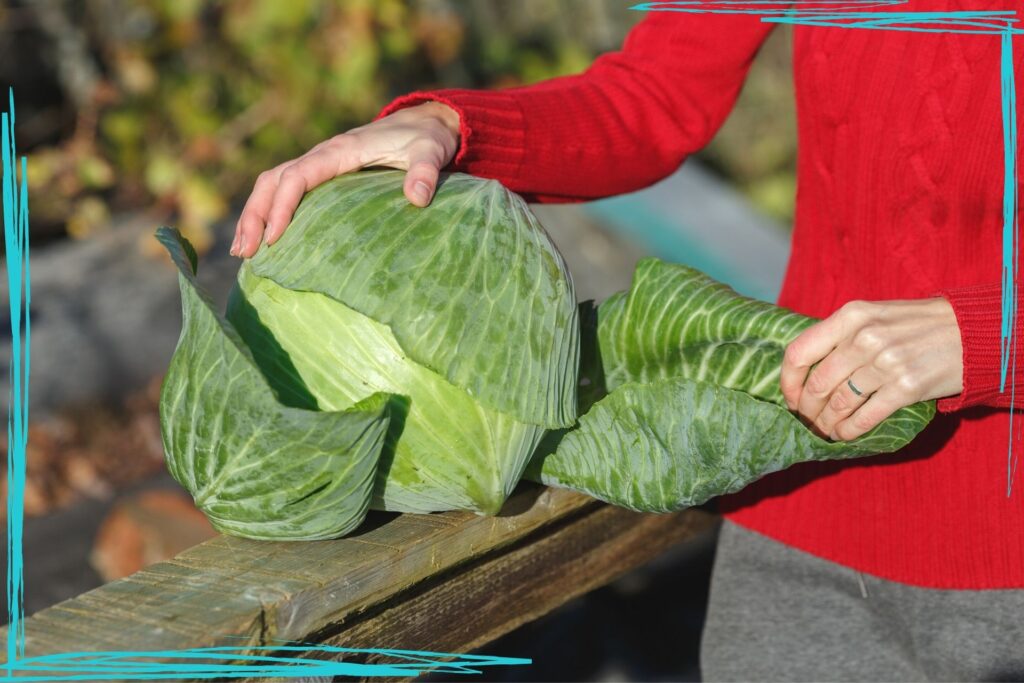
x=900, y=196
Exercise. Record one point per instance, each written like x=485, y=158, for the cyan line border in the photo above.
x=268, y=661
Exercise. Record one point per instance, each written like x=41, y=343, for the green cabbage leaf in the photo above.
x=689, y=405
x=256, y=467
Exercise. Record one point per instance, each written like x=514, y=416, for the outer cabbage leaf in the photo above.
x=675, y=321
x=694, y=409
x=445, y=449
x=677, y=442
x=471, y=286
x=255, y=467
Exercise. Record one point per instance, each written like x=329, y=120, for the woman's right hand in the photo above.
x=421, y=140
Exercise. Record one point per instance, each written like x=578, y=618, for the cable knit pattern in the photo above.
x=899, y=196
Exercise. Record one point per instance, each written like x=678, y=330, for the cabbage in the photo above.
x=378, y=355
x=683, y=378
x=382, y=355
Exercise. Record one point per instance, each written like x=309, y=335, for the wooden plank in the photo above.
x=483, y=600
x=231, y=591
x=450, y=582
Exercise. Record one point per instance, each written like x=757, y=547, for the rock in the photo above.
x=145, y=528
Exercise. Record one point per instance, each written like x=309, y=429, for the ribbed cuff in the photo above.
x=979, y=313
x=492, y=132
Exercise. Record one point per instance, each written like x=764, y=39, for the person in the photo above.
x=906, y=566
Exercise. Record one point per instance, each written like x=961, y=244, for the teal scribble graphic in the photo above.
x=850, y=14
x=1011, y=247
x=245, y=662
x=287, y=660
x=15, y=202
x=296, y=660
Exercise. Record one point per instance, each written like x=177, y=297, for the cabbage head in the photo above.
x=378, y=355
x=418, y=360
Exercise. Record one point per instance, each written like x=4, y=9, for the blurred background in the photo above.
x=138, y=113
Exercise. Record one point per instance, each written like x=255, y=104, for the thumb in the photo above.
x=421, y=180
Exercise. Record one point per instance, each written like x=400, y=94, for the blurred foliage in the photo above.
x=174, y=106
x=185, y=101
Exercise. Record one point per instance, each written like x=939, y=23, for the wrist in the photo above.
x=978, y=309
x=443, y=114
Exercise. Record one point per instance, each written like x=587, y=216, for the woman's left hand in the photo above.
x=895, y=353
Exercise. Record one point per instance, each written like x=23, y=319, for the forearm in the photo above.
x=625, y=123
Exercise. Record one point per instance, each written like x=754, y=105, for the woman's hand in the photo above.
x=421, y=139
x=894, y=352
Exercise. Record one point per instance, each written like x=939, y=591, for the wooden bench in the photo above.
x=447, y=582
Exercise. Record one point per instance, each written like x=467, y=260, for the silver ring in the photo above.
x=853, y=387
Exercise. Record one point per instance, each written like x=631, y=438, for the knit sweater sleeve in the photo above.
x=979, y=311
x=625, y=123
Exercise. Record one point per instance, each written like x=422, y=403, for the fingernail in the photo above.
x=269, y=234
x=234, y=245
x=244, y=243
x=421, y=191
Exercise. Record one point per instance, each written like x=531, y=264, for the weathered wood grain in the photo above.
x=447, y=582
x=475, y=604
x=231, y=588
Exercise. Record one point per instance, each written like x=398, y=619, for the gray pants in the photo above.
x=779, y=614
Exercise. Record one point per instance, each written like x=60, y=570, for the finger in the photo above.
x=307, y=172
x=823, y=380
x=844, y=400
x=254, y=215
x=421, y=180
x=813, y=344
x=883, y=403
x=249, y=231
